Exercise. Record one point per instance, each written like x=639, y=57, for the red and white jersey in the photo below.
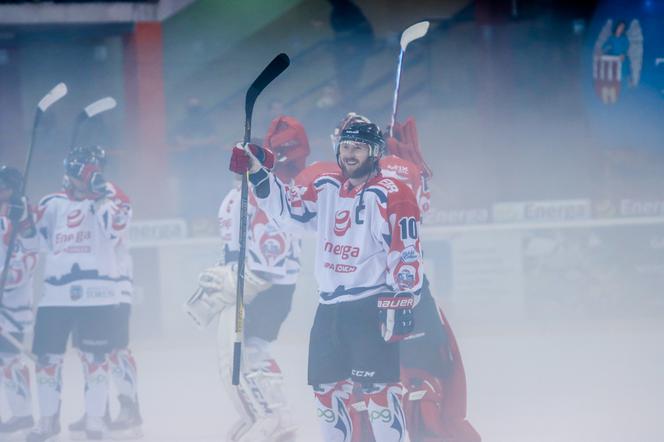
x=408, y=172
x=18, y=296
x=367, y=236
x=80, y=239
x=271, y=253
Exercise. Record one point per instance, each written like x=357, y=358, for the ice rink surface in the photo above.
x=585, y=383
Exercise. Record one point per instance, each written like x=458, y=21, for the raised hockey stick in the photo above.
x=55, y=94
x=271, y=71
x=92, y=109
x=413, y=32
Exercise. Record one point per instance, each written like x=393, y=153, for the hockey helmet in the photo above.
x=350, y=118
x=80, y=157
x=367, y=133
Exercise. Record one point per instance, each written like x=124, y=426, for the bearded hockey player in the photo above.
x=271, y=273
x=369, y=271
x=431, y=366
x=79, y=228
x=16, y=306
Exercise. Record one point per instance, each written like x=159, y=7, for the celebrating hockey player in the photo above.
x=122, y=365
x=270, y=277
x=16, y=300
x=369, y=272
x=80, y=228
x=431, y=365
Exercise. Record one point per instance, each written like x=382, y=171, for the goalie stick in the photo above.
x=271, y=71
x=413, y=32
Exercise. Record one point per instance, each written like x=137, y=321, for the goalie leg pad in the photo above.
x=259, y=397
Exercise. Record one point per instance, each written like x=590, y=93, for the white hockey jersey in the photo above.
x=367, y=236
x=271, y=253
x=80, y=239
x=18, y=296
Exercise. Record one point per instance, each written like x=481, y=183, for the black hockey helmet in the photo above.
x=11, y=178
x=364, y=132
x=79, y=157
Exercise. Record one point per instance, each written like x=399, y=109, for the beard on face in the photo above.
x=364, y=169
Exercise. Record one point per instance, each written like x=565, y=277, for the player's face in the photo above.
x=354, y=159
x=77, y=184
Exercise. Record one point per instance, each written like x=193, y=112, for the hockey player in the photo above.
x=369, y=271
x=432, y=369
x=271, y=273
x=16, y=306
x=79, y=228
x=122, y=365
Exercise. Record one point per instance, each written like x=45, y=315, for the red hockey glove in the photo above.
x=241, y=162
x=396, y=316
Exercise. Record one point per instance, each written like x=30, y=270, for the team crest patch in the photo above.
x=75, y=292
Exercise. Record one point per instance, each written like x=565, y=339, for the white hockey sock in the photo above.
x=386, y=416
x=16, y=382
x=332, y=402
x=95, y=373
x=49, y=384
x=123, y=370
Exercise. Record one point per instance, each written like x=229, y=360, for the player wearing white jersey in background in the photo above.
x=79, y=228
x=369, y=271
x=122, y=365
x=272, y=268
x=16, y=307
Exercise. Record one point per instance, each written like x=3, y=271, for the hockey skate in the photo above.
x=46, y=430
x=128, y=423
x=86, y=429
x=16, y=427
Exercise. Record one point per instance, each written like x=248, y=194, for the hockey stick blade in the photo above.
x=99, y=106
x=271, y=71
x=59, y=91
x=92, y=109
x=413, y=32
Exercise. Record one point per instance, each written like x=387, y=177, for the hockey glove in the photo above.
x=396, y=316
x=18, y=209
x=241, y=161
x=19, y=214
x=98, y=185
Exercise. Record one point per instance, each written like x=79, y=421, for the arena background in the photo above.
x=545, y=243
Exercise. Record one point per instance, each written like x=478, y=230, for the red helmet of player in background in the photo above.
x=288, y=141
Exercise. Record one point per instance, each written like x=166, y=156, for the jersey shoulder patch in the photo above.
x=394, y=190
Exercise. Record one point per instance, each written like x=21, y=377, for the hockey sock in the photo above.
x=332, y=401
x=16, y=382
x=49, y=383
x=95, y=373
x=123, y=370
x=385, y=412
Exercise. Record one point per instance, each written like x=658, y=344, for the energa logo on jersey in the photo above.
x=75, y=218
x=341, y=222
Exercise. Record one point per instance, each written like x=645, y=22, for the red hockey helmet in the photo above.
x=288, y=141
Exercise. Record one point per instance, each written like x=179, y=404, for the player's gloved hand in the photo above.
x=18, y=209
x=250, y=158
x=396, y=315
x=98, y=185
